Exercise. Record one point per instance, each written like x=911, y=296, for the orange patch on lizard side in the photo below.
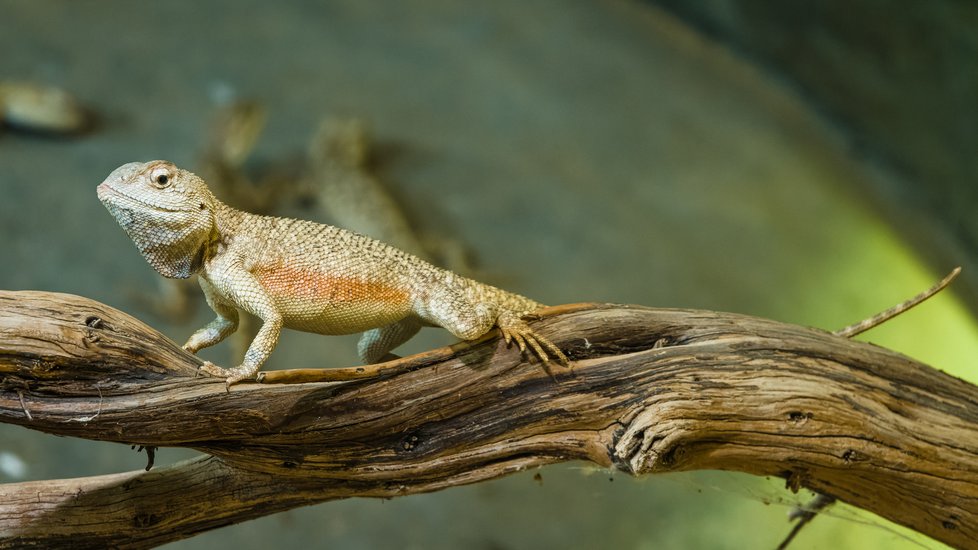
x=301, y=284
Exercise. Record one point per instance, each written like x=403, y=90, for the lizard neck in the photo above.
x=227, y=224
x=227, y=220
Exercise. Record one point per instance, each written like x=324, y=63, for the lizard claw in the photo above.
x=517, y=330
x=231, y=376
x=520, y=341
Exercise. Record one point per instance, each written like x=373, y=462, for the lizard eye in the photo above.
x=161, y=177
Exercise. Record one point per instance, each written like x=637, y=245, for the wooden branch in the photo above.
x=652, y=390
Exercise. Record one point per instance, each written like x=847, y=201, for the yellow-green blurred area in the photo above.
x=580, y=151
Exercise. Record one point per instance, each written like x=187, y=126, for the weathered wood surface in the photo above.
x=652, y=390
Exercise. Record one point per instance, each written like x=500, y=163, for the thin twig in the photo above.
x=805, y=514
x=884, y=316
x=378, y=370
x=24, y=405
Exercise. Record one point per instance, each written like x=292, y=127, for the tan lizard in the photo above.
x=300, y=274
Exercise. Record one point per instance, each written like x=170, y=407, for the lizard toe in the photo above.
x=561, y=358
x=533, y=340
x=210, y=369
x=235, y=378
x=507, y=336
x=541, y=346
x=520, y=341
x=239, y=374
x=525, y=337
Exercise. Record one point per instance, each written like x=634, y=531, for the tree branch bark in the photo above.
x=652, y=390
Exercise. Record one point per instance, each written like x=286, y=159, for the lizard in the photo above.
x=300, y=274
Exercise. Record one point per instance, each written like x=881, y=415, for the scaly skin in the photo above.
x=300, y=274
x=349, y=194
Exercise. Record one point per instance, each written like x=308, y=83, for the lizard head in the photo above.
x=167, y=212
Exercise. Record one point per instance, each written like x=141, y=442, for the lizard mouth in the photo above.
x=105, y=192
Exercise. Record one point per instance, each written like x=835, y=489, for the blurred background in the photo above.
x=809, y=162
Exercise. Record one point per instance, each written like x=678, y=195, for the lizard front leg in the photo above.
x=245, y=291
x=259, y=350
x=217, y=330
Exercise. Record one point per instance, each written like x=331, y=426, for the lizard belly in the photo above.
x=328, y=304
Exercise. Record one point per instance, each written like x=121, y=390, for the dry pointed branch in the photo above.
x=884, y=316
x=805, y=514
x=652, y=390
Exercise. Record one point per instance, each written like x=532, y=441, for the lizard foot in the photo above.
x=231, y=376
x=210, y=369
x=516, y=330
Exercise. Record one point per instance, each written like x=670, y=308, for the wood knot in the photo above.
x=92, y=324
x=799, y=417
x=410, y=442
x=852, y=456
x=662, y=342
x=293, y=461
x=146, y=520
x=673, y=455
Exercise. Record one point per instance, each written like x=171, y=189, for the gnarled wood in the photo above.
x=652, y=390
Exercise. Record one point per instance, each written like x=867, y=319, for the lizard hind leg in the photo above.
x=375, y=344
x=469, y=316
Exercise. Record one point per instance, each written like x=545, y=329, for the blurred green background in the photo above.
x=738, y=156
